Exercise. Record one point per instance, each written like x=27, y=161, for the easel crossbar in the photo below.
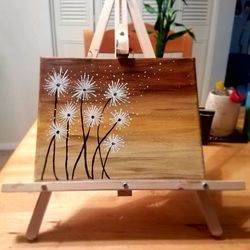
x=89, y=185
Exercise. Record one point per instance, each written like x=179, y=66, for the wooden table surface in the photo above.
x=147, y=220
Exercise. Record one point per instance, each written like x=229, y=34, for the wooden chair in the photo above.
x=181, y=45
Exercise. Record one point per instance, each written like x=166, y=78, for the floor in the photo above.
x=4, y=156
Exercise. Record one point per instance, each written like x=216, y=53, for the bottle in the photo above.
x=220, y=89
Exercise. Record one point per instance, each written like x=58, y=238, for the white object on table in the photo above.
x=226, y=114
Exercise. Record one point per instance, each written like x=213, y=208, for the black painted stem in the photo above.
x=97, y=148
x=54, y=144
x=84, y=141
x=98, y=133
x=79, y=156
x=105, y=161
x=46, y=157
x=54, y=160
x=83, y=146
x=67, y=151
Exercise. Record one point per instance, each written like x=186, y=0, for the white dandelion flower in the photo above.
x=57, y=130
x=68, y=113
x=92, y=116
x=117, y=92
x=57, y=83
x=120, y=118
x=113, y=143
x=85, y=88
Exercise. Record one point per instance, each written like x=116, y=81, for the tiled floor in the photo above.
x=4, y=156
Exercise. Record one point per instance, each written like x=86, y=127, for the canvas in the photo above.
x=118, y=119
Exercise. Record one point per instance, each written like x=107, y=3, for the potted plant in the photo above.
x=166, y=16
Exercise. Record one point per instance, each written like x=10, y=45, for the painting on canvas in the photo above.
x=118, y=119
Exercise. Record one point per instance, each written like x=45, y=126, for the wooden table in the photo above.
x=147, y=220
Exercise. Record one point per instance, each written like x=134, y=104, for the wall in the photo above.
x=24, y=36
x=219, y=43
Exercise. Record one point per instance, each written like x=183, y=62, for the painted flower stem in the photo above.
x=46, y=157
x=55, y=106
x=67, y=151
x=84, y=141
x=54, y=160
x=98, y=132
x=97, y=148
x=79, y=156
x=51, y=141
x=54, y=144
x=103, y=168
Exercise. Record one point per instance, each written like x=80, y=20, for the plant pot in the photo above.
x=226, y=114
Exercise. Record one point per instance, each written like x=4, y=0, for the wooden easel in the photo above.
x=121, y=29
x=124, y=187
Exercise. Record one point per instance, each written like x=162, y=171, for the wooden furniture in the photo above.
x=181, y=45
x=164, y=219
x=199, y=186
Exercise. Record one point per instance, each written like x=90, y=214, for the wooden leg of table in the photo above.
x=209, y=213
x=37, y=216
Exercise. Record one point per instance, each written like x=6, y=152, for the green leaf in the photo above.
x=191, y=34
x=177, y=34
x=175, y=11
x=189, y=31
x=159, y=3
x=150, y=31
x=157, y=24
x=179, y=25
x=184, y=1
x=150, y=9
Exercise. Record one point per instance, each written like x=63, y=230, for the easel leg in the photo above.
x=209, y=213
x=37, y=216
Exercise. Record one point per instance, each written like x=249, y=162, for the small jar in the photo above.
x=226, y=114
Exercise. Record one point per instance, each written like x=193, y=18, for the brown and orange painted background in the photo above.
x=161, y=139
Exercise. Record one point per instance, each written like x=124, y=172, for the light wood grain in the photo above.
x=140, y=29
x=101, y=26
x=38, y=214
x=163, y=139
x=148, y=219
x=129, y=185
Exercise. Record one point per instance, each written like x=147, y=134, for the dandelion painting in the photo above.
x=118, y=119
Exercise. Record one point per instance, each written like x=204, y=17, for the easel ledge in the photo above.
x=126, y=185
